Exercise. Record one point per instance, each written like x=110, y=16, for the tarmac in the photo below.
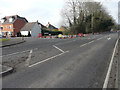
x=5, y=70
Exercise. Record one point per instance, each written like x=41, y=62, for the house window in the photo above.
x=10, y=27
x=6, y=33
x=11, y=33
x=11, y=19
x=2, y=20
x=1, y=28
x=2, y=33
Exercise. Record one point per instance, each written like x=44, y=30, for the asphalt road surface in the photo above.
x=59, y=63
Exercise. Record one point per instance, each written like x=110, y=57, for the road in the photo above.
x=60, y=63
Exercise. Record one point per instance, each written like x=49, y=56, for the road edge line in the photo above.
x=105, y=85
x=87, y=43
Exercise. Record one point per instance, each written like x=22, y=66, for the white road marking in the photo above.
x=58, y=49
x=48, y=59
x=105, y=85
x=99, y=38
x=17, y=53
x=91, y=41
x=29, y=57
x=86, y=43
x=109, y=38
x=6, y=71
x=66, y=41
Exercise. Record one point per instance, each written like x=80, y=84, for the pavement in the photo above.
x=59, y=63
x=12, y=41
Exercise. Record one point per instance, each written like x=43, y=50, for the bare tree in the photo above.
x=76, y=12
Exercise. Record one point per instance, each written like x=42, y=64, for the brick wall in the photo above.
x=18, y=24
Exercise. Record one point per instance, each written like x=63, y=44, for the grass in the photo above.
x=2, y=40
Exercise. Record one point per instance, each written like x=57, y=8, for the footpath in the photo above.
x=12, y=41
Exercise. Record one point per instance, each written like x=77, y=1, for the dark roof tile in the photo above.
x=15, y=17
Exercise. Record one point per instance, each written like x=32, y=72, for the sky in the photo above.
x=46, y=10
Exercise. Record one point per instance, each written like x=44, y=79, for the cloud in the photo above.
x=42, y=10
x=112, y=9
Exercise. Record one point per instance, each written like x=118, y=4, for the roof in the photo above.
x=14, y=17
x=49, y=26
x=42, y=26
x=28, y=26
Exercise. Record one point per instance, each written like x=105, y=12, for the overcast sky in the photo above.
x=45, y=10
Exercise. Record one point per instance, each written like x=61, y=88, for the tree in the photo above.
x=86, y=17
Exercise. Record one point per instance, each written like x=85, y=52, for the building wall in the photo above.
x=8, y=28
x=35, y=30
x=18, y=24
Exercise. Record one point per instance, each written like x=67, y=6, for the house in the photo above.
x=11, y=25
x=62, y=28
x=51, y=27
x=31, y=29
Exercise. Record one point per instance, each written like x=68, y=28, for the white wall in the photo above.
x=35, y=30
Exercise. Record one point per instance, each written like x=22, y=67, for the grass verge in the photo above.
x=2, y=40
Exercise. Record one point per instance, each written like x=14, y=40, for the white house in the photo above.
x=31, y=28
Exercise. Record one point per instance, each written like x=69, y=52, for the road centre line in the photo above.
x=86, y=43
x=48, y=59
x=58, y=49
x=17, y=52
x=99, y=38
x=66, y=41
x=105, y=85
x=91, y=41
